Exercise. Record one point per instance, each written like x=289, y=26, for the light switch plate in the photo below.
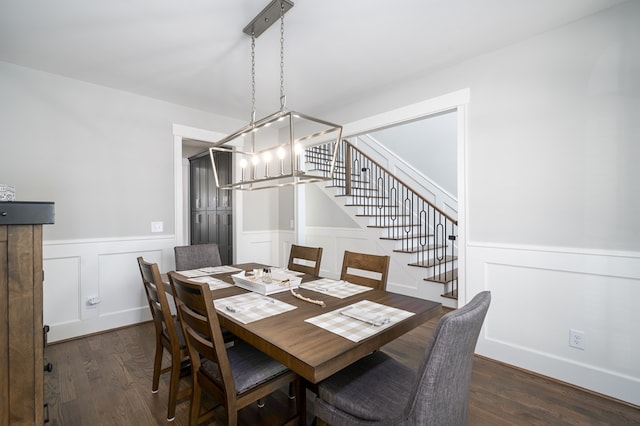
x=156, y=226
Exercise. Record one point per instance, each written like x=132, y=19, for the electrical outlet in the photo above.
x=576, y=339
x=93, y=302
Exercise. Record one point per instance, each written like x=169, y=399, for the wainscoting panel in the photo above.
x=94, y=285
x=334, y=241
x=120, y=284
x=61, y=302
x=540, y=294
x=261, y=247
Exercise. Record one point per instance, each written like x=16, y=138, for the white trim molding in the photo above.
x=539, y=294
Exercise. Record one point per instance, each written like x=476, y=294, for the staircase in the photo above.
x=422, y=233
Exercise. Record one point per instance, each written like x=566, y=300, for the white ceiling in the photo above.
x=194, y=53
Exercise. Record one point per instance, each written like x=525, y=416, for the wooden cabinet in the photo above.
x=21, y=327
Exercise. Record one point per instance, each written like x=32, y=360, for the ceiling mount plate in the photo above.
x=268, y=16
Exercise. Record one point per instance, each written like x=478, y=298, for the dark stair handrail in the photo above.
x=423, y=228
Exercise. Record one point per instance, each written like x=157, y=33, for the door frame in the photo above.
x=458, y=101
x=181, y=177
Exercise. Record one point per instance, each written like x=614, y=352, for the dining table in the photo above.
x=301, y=337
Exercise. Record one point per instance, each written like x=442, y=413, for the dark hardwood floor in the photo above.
x=105, y=379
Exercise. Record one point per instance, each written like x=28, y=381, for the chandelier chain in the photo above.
x=282, y=95
x=253, y=78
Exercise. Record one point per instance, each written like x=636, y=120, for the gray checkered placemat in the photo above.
x=287, y=271
x=339, y=289
x=213, y=270
x=209, y=270
x=358, y=329
x=250, y=307
x=192, y=273
x=214, y=283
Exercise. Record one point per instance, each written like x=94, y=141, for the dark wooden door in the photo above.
x=211, y=207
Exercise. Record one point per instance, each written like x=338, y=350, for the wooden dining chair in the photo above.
x=196, y=256
x=377, y=390
x=169, y=337
x=305, y=259
x=365, y=269
x=235, y=376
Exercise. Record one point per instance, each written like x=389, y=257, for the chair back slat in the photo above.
x=365, y=269
x=310, y=257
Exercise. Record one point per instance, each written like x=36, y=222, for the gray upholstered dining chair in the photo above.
x=378, y=390
x=197, y=256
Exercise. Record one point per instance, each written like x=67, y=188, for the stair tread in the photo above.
x=319, y=154
x=401, y=238
x=351, y=195
x=353, y=181
x=443, y=278
x=392, y=226
x=431, y=262
x=382, y=215
x=418, y=249
x=451, y=295
x=334, y=185
x=406, y=238
x=372, y=205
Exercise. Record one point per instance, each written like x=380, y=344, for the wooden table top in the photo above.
x=313, y=352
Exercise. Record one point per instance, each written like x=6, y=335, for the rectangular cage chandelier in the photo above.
x=281, y=143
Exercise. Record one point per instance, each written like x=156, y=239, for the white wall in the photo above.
x=429, y=145
x=106, y=158
x=552, y=200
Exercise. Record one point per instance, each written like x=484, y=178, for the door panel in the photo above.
x=211, y=207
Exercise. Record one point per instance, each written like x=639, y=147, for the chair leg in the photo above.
x=292, y=391
x=157, y=366
x=195, y=404
x=174, y=383
x=301, y=400
x=232, y=417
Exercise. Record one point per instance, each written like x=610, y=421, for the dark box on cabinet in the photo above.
x=26, y=212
